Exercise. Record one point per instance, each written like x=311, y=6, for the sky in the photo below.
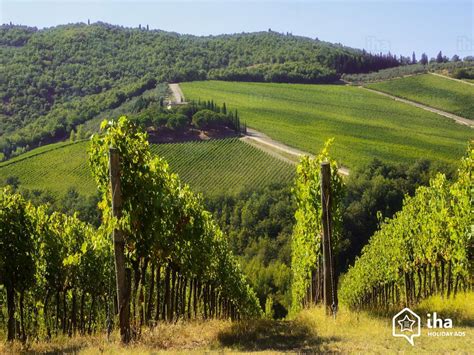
x=400, y=27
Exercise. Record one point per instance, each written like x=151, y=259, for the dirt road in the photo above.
x=457, y=119
x=177, y=93
x=280, y=148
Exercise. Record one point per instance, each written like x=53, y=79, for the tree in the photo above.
x=439, y=57
x=424, y=59
x=413, y=58
x=455, y=58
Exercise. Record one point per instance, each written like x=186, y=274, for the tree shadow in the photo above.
x=259, y=335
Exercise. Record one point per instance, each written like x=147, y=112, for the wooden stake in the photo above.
x=123, y=300
x=328, y=260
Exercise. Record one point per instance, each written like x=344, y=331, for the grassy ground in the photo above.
x=434, y=91
x=212, y=167
x=311, y=331
x=365, y=125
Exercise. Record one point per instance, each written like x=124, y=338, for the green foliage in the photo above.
x=442, y=93
x=464, y=73
x=17, y=267
x=306, y=238
x=430, y=237
x=378, y=190
x=205, y=119
x=177, y=122
x=45, y=254
x=289, y=72
x=365, y=125
x=258, y=223
x=162, y=218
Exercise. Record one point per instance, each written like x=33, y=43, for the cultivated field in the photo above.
x=365, y=125
x=432, y=90
x=55, y=168
x=213, y=167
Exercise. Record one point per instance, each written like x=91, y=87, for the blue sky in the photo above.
x=396, y=26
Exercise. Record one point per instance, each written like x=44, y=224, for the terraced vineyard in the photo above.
x=444, y=94
x=365, y=125
x=213, y=167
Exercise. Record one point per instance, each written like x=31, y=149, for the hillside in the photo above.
x=365, y=125
x=215, y=167
x=59, y=77
x=432, y=90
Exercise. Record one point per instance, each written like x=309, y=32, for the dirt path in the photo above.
x=448, y=77
x=261, y=140
x=177, y=93
x=457, y=119
x=279, y=149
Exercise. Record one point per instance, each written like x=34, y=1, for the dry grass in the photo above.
x=311, y=331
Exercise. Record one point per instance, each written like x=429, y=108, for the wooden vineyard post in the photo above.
x=328, y=259
x=119, y=247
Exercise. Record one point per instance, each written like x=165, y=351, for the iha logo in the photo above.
x=435, y=322
x=406, y=324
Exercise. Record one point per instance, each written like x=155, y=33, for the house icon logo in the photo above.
x=406, y=324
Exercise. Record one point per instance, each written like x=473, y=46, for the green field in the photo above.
x=365, y=125
x=444, y=94
x=225, y=166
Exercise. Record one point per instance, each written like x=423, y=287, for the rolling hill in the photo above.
x=365, y=125
x=226, y=166
x=56, y=78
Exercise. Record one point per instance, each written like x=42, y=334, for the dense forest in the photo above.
x=57, y=78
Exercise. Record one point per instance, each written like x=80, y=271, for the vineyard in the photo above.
x=426, y=249
x=441, y=93
x=211, y=167
x=365, y=125
x=55, y=168
x=57, y=271
x=224, y=166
